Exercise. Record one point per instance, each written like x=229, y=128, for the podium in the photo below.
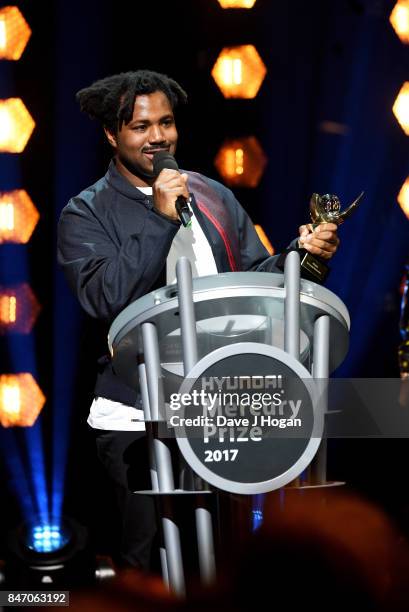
x=235, y=367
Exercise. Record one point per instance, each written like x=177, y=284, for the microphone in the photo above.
x=162, y=160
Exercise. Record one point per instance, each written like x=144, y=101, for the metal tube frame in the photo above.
x=204, y=527
x=162, y=460
x=292, y=285
x=320, y=372
x=153, y=400
x=152, y=464
x=317, y=471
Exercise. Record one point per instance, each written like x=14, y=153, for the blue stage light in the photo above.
x=50, y=552
x=19, y=484
x=46, y=538
x=257, y=519
x=257, y=514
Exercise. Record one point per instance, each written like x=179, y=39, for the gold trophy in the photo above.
x=323, y=209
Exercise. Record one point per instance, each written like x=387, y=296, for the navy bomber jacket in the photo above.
x=113, y=245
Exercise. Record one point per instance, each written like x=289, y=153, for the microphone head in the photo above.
x=163, y=159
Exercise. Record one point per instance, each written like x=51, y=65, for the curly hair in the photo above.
x=111, y=100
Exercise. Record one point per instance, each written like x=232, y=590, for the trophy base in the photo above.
x=312, y=268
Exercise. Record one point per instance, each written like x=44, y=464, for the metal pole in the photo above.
x=163, y=459
x=148, y=418
x=320, y=372
x=204, y=527
x=154, y=474
x=205, y=543
x=292, y=304
x=187, y=313
x=321, y=347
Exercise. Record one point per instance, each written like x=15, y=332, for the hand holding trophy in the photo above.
x=323, y=209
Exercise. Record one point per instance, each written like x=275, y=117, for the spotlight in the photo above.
x=49, y=555
x=18, y=216
x=46, y=538
x=16, y=125
x=241, y=162
x=245, y=4
x=239, y=72
x=19, y=309
x=401, y=108
x=257, y=519
x=14, y=33
x=403, y=197
x=400, y=20
x=21, y=400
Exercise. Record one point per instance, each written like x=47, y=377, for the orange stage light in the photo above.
x=21, y=400
x=16, y=125
x=399, y=19
x=239, y=72
x=403, y=197
x=18, y=216
x=19, y=309
x=241, y=162
x=263, y=237
x=401, y=107
x=228, y=4
x=14, y=33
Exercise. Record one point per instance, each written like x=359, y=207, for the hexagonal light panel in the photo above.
x=401, y=108
x=16, y=125
x=239, y=71
x=403, y=197
x=241, y=162
x=228, y=4
x=19, y=309
x=14, y=33
x=21, y=400
x=18, y=216
x=399, y=19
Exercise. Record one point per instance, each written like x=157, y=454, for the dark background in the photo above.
x=336, y=61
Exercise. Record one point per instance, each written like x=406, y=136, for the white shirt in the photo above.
x=190, y=242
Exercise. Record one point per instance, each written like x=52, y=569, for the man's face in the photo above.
x=151, y=129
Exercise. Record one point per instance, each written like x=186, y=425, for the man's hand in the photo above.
x=168, y=186
x=323, y=241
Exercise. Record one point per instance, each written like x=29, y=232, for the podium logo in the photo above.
x=234, y=383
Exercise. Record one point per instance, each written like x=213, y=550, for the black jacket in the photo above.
x=113, y=245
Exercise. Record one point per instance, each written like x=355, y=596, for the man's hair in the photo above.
x=111, y=100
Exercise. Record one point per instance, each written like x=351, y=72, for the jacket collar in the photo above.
x=121, y=184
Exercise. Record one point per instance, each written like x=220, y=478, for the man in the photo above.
x=120, y=239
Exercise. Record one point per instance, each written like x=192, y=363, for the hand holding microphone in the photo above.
x=170, y=191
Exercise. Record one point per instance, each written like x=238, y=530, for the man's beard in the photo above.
x=136, y=169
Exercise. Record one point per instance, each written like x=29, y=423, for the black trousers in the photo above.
x=124, y=455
